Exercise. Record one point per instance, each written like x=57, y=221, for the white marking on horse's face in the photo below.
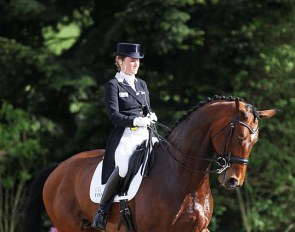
x=253, y=137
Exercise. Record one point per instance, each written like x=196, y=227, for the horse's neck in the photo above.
x=192, y=140
x=189, y=141
x=172, y=178
x=179, y=172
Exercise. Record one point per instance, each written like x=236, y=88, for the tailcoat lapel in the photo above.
x=131, y=91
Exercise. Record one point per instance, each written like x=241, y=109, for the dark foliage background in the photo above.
x=55, y=57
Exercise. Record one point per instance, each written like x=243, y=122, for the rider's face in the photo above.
x=130, y=66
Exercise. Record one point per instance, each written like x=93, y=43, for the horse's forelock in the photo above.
x=253, y=111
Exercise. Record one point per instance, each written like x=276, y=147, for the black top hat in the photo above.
x=129, y=49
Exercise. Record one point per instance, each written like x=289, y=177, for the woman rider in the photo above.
x=128, y=106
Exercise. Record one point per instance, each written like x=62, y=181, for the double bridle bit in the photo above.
x=225, y=160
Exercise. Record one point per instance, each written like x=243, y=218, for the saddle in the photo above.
x=140, y=164
x=141, y=161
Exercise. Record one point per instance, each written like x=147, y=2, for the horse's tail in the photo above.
x=34, y=203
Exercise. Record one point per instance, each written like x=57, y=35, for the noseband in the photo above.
x=225, y=160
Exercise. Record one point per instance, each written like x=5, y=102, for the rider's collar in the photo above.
x=121, y=76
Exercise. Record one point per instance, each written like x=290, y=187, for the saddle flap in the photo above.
x=97, y=188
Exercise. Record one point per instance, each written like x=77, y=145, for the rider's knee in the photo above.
x=123, y=169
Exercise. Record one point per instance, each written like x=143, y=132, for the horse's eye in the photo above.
x=240, y=138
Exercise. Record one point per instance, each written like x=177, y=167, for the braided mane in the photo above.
x=200, y=104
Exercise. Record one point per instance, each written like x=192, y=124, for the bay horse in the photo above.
x=176, y=194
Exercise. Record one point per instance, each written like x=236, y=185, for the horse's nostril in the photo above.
x=232, y=182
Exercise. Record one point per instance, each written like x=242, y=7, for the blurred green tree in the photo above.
x=57, y=55
x=21, y=152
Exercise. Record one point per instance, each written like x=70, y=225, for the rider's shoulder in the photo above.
x=112, y=81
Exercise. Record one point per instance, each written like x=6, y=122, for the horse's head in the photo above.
x=234, y=142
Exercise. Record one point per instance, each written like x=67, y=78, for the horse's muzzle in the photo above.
x=232, y=183
x=229, y=183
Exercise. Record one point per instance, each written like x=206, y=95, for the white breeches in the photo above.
x=127, y=145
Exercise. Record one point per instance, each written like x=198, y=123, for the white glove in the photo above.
x=153, y=117
x=142, y=122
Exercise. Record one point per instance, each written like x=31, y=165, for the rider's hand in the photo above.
x=153, y=117
x=142, y=122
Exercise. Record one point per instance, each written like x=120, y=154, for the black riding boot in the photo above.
x=111, y=188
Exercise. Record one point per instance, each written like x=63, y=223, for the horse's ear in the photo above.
x=266, y=113
x=237, y=104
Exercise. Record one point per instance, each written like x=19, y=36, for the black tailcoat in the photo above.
x=123, y=105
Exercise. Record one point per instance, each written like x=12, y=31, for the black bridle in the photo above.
x=227, y=158
x=224, y=160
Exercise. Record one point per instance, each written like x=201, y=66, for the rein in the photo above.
x=224, y=160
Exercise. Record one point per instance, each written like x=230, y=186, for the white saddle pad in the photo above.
x=96, y=188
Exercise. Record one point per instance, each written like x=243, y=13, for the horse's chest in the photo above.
x=194, y=215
